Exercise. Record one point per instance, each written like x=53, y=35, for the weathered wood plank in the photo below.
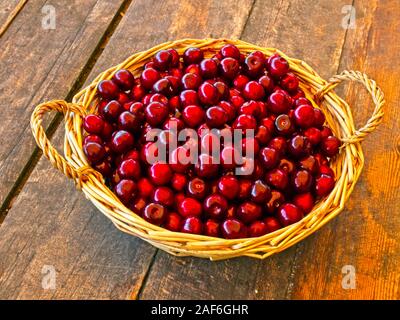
x=50, y=223
x=38, y=65
x=318, y=39
x=9, y=9
x=366, y=235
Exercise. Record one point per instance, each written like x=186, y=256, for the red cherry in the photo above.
x=304, y=116
x=208, y=68
x=302, y=181
x=319, y=118
x=253, y=65
x=189, y=207
x=267, y=83
x=248, y=212
x=173, y=222
x=107, y=89
x=174, y=57
x=149, y=77
x=244, y=189
x=193, y=115
x=325, y=169
x=206, y=166
x=193, y=55
x=326, y=132
x=260, y=192
x=94, y=152
x=222, y=89
x=244, y=122
x=197, y=188
x=178, y=181
x=125, y=190
x=160, y=173
x=92, y=138
x=299, y=146
x=309, y=163
x=251, y=108
x=137, y=92
x=330, y=146
x=215, y=206
x=258, y=229
x=233, y=229
x=112, y=110
x=229, y=68
x=154, y=213
x=192, y=225
x=277, y=66
x=277, y=178
x=124, y=79
x=162, y=60
x=208, y=94
x=231, y=51
x=164, y=196
x=289, y=82
x=313, y=135
x=189, y=97
x=216, y=117
x=163, y=86
x=240, y=81
x=180, y=159
x=193, y=68
x=93, y=124
x=253, y=91
x=212, y=228
x=269, y=157
x=229, y=110
x=276, y=200
x=156, y=113
x=129, y=169
x=289, y=213
x=129, y=122
x=272, y=224
x=279, y=144
x=283, y=125
x=278, y=102
x=145, y=188
x=229, y=187
x=122, y=141
x=191, y=81
x=304, y=201
x=324, y=184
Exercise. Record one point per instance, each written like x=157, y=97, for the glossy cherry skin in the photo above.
x=192, y=225
x=269, y=157
x=309, y=163
x=164, y=87
x=289, y=213
x=276, y=200
x=301, y=181
x=278, y=103
x=208, y=68
x=254, y=65
x=326, y=132
x=289, y=82
x=267, y=83
x=125, y=190
x=215, y=206
x=129, y=169
x=108, y=89
x=212, y=228
x=279, y=144
x=192, y=55
x=325, y=169
x=229, y=68
x=304, y=116
x=260, y=192
x=94, y=152
x=253, y=91
x=173, y=222
x=330, y=146
x=324, y=184
x=156, y=113
x=155, y=213
x=277, y=66
x=160, y=173
x=299, y=146
x=229, y=110
x=277, y=178
x=129, y=122
x=164, y=196
x=272, y=224
x=112, y=110
x=197, y=188
x=188, y=97
x=124, y=79
x=189, y=207
x=283, y=125
x=229, y=187
x=208, y=94
x=162, y=60
x=245, y=121
x=193, y=115
x=313, y=135
x=179, y=159
x=263, y=135
x=305, y=201
x=258, y=229
x=248, y=212
x=178, y=181
x=191, y=81
x=122, y=141
x=174, y=57
x=319, y=118
x=286, y=165
x=206, y=166
x=244, y=189
x=145, y=188
x=240, y=81
x=231, y=51
x=149, y=77
x=233, y=229
x=93, y=124
x=216, y=117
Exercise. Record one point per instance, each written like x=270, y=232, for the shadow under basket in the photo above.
x=347, y=165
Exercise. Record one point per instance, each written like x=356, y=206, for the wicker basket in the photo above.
x=347, y=165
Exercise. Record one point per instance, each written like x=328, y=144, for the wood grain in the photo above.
x=38, y=65
x=9, y=9
x=92, y=258
x=366, y=235
x=317, y=40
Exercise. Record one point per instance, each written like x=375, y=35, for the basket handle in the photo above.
x=375, y=92
x=58, y=161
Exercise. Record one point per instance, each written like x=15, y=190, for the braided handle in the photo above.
x=375, y=92
x=58, y=161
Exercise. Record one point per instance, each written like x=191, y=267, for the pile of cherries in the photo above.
x=292, y=144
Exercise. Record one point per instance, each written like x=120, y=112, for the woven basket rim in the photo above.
x=347, y=165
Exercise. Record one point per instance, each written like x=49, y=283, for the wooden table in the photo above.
x=47, y=226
